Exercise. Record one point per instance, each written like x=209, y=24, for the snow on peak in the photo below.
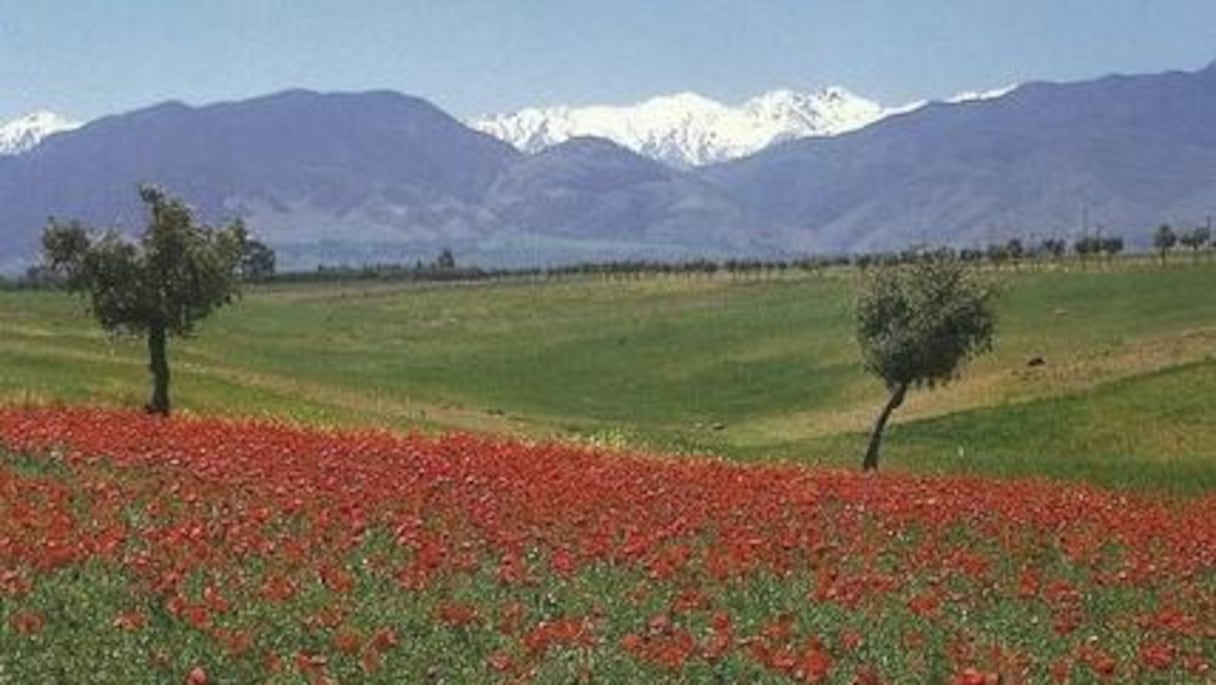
x=974, y=95
x=25, y=133
x=825, y=113
x=687, y=129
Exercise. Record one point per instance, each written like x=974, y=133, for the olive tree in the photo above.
x=1164, y=240
x=257, y=262
x=1195, y=239
x=176, y=274
x=1111, y=245
x=916, y=324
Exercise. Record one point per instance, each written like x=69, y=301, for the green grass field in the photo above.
x=748, y=369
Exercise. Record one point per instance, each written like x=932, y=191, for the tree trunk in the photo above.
x=897, y=398
x=159, y=366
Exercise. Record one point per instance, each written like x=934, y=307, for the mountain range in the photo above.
x=687, y=129
x=681, y=129
x=1127, y=152
x=381, y=176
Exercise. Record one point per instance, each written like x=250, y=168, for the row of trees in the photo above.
x=437, y=271
x=1012, y=252
x=258, y=265
x=1165, y=238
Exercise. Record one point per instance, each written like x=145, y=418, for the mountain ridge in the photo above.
x=1130, y=150
x=381, y=176
x=300, y=166
x=687, y=129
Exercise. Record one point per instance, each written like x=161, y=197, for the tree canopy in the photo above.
x=176, y=274
x=1164, y=239
x=917, y=323
x=1196, y=238
x=258, y=262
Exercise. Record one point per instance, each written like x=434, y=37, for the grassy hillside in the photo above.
x=754, y=369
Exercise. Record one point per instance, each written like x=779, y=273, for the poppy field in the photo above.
x=194, y=550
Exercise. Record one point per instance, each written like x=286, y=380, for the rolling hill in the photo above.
x=747, y=368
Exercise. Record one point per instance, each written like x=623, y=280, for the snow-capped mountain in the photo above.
x=23, y=134
x=686, y=129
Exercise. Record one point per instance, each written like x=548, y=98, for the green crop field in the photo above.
x=753, y=369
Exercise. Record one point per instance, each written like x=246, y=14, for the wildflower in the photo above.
x=27, y=622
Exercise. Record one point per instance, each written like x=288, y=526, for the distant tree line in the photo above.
x=1165, y=238
x=1013, y=252
x=258, y=264
x=445, y=269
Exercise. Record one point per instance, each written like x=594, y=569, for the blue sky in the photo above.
x=93, y=57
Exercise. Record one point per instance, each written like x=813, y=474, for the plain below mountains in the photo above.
x=380, y=176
